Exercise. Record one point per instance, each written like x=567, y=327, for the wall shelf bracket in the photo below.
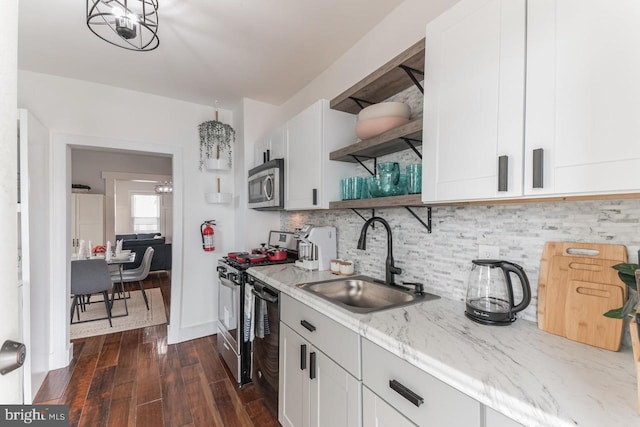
x=373, y=213
x=410, y=142
x=360, y=101
x=428, y=223
x=412, y=75
x=360, y=159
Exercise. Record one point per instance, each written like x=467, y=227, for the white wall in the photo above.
x=75, y=112
x=401, y=28
x=252, y=227
x=10, y=385
x=87, y=166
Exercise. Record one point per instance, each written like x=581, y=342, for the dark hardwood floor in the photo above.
x=134, y=378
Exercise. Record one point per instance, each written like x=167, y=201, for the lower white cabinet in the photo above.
x=314, y=390
x=496, y=419
x=378, y=413
x=87, y=218
x=423, y=399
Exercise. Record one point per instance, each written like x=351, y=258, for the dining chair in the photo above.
x=137, y=274
x=90, y=276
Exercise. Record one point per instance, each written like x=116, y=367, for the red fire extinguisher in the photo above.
x=206, y=231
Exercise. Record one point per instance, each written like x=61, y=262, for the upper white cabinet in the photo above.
x=568, y=128
x=270, y=146
x=87, y=218
x=312, y=180
x=474, y=97
x=582, y=96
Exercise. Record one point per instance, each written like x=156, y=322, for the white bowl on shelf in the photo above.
x=374, y=127
x=385, y=109
x=218, y=197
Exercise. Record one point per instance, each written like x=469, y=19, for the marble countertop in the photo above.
x=531, y=376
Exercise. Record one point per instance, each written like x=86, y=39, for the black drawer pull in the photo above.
x=503, y=173
x=308, y=326
x=312, y=367
x=303, y=357
x=406, y=393
x=538, y=168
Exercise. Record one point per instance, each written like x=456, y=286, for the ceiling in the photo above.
x=210, y=50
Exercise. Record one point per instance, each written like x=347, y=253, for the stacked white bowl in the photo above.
x=379, y=118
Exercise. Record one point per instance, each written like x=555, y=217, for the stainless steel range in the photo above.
x=233, y=338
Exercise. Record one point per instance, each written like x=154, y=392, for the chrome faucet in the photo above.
x=391, y=269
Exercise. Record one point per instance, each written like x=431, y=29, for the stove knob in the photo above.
x=221, y=269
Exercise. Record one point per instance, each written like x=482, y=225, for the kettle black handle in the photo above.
x=509, y=267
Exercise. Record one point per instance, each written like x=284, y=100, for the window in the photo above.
x=145, y=213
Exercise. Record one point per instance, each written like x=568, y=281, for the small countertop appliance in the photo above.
x=317, y=246
x=490, y=294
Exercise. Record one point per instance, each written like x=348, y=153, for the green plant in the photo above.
x=627, y=273
x=215, y=137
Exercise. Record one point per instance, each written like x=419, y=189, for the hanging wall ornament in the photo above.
x=215, y=141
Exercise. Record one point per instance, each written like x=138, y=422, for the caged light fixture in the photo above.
x=129, y=24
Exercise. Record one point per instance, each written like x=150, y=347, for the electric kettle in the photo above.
x=490, y=294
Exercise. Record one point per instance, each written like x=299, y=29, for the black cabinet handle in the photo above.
x=308, y=326
x=312, y=367
x=538, y=168
x=315, y=196
x=268, y=155
x=406, y=393
x=303, y=357
x=503, y=173
x=264, y=157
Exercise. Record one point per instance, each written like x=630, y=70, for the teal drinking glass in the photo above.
x=414, y=178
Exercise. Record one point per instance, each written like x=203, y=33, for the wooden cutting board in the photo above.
x=576, y=287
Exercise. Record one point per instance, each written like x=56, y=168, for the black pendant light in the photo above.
x=129, y=24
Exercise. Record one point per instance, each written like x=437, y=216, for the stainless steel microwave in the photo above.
x=266, y=186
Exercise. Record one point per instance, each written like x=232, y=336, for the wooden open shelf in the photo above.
x=384, y=82
x=380, y=202
x=386, y=143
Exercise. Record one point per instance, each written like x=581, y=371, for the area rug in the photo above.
x=139, y=316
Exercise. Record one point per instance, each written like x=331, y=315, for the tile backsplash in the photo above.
x=442, y=260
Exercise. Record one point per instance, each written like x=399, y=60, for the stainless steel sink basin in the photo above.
x=363, y=294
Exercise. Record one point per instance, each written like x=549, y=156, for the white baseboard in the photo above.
x=176, y=335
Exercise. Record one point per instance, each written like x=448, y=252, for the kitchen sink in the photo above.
x=363, y=294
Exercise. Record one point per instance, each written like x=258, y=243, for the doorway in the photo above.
x=61, y=247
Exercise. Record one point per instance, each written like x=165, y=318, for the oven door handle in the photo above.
x=228, y=285
x=265, y=296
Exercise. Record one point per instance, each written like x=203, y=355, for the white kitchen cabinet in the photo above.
x=575, y=131
x=87, y=218
x=312, y=180
x=496, y=419
x=271, y=146
x=582, y=96
x=378, y=413
x=319, y=369
x=420, y=397
x=315, y=391
x=474, y=97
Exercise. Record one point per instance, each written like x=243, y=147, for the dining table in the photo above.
x=118, y=260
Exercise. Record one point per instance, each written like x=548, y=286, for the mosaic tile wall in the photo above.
x=442, y=259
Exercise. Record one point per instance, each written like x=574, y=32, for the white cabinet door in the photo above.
x=302, y=162
x=276, y=143
x=496, y=419
x=312, y=180
x=314, y=390
x=88, y=218
x=259, y=148
x=378, y=413
x=335, y=396
x=582, y=95
x=293, y=395
x=474, y=97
